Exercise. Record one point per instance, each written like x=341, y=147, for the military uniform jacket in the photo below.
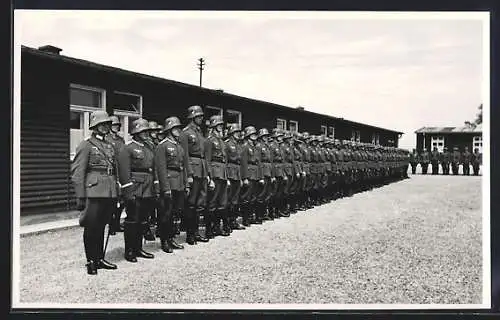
x=348, y=159
x=233, y=152
x=331, y=166
x=297, y=161
x=136, y=169
x=306, y=158
x=323, y=160
x=93, y=170
x=466, y=157
x=445, y=157
x=435, y=156
x=215, y=154
x=424, y=158
x=289, y=157
x=477, y=158
x=249, y=162
x=413, y=158
x=116, y=141
x=339, y=154
x=278, y=159
x=193, y=142
x=456, y=157
x=171, y=164
x=265, y=159
x=314, y=159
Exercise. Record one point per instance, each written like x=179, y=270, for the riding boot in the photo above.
x=129, y=235
x=226, y=229
x=190, y=226
x=208, y=220
x=196, y=226
x=139, y=251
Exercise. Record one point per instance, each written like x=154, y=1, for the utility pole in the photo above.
x=201, y=64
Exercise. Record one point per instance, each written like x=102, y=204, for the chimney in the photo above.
x=300, y=108
x=50, y=49
x=219, y=90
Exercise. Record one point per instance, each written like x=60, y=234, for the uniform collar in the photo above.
x=98, y=136
x=170, y=140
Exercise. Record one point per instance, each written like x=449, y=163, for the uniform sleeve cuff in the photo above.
x=156, y=181
x=126, y=185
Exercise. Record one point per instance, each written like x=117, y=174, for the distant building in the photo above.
x=450, y=137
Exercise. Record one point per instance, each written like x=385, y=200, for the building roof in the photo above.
x=58, y=56
x=464, y=129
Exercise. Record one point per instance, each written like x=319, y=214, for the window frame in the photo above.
x=120, y=112
x=332, y=135
x=325, y=131
x=240, y=115
x=296, y=125
x=283, y=121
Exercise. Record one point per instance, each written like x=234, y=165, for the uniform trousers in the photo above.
x=446, y=168
x=425, y=167
x=136, y=221
x=168, y=208
x=96, y=215
x=435, y=167
x=475, y=168
x=466, y=169
x=454, y=168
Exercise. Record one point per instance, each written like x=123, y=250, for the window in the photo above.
x=375, y=139
x=355, y=136
x=281, y=124
x=126, y=102
x=477, y=143
x=293, y=126
x=83, y=101
x=324, y=130
x=438, y=142
x=331, y=132
x=233, y=116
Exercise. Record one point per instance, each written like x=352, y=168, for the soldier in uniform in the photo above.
x=278, y=204
x=466, y=160
x=476, y=161
x=215, y=155
x=171, y=164
x=324, y=169
x=117, y=142
x=455, y=160
x=414, y=161
x=424, y=161
x=299, y=173
x=445, y=161
x=435, y=161
x=93, y=173
x=267, y=179
x=193, y=141
x=288, y=166
x=137, y=179
x=233, y=152
x=250, y=174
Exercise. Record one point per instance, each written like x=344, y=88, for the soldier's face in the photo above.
x=115, y=128
x=176, y=132
x=198, y=120
x=143, y=135
x=104, y=128
x=161, y=135
x=253, y=137
x=154, y=134
x=219, y=128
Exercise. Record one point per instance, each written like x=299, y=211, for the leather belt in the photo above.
x=197, y=156
x=175, y=168
x=142, y=170
x=234, y=162
x=109, y=170
x=218, y=160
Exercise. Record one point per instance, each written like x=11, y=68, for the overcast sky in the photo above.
x=400, y=74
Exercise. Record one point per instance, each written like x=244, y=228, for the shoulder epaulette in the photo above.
x=86, y=139
x=185, y=128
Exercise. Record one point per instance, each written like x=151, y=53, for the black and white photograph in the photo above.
x=251, y=160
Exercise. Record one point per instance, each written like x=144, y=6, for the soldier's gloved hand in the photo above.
x=211, y=184
x=190, y=181
x=273, y=179
x=246, y=182
x=298, y=175
x=304, y=173
x=80, y=204
x=228, y=183
x=167, y=194
x=261, y=181
x=241, y=183
x=285, y=178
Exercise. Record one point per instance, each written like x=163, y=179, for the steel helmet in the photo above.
x=153, y=125
x=115, y=120
x=287, y=135
x=233, y=127
x=98, y=117
x=263, y=132
x=139, y=125
x=277, y=132
x=194, y=111
x=161, y=128
x=250, y=130
x=305, y=136
x=215, y=121
x=171, y=123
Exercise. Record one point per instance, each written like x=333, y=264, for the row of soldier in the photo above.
x=170, y=173
x=447, y=160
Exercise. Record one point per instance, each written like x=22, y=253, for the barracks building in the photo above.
x=58, y=93
x=450, y=137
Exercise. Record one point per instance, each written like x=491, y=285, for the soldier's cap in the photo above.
x=250, y=130
x=153, y=125
x=194, y=111
x=172, y=122
x=263, y=132
x=139, y=126
x=98, y=117
x=115, y=121
x=233, y=127
x=215, y=121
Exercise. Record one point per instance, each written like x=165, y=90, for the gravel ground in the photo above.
x=415, y=241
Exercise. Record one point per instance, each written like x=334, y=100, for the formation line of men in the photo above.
x=447, y=160
x=168, y=176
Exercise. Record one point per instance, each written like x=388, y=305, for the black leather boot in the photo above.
x=103, y=264
x=174, y=245
x=130, y=234
x=165, y=246
x=226, y=228
x=140, y=253
x=209, y=228
x=91, y=267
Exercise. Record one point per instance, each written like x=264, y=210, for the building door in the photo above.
x=438, y=142
x=477, y=143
